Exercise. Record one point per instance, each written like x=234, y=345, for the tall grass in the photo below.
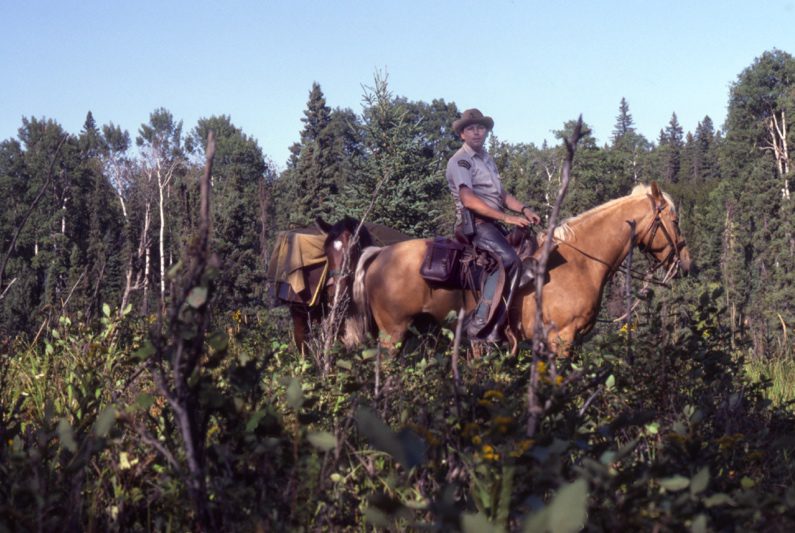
x=780, y=371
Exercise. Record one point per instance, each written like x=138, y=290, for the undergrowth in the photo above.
x=666, y=436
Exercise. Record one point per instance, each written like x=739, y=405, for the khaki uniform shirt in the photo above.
x=479, y=173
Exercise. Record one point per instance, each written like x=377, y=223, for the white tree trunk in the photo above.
x=147, y=260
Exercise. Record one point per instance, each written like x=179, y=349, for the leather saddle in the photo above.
x=454, y=263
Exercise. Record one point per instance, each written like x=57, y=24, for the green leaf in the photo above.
x=253, y=422
x=144, y=352
x=295, y=394
x=377, y=518
x=747, y=483
x=477, y=523
x=369, y=353
x=106, y=310
x=105, y=421
x=611, y=382
x=322, y=440
x=674, y=483
x=144, y=401
x=66, y=435
x=569, y=508
x=699, y=481
x=406, y=448
x=218, y=341
x=718, y=499
x=699, y=524
x=197, y=297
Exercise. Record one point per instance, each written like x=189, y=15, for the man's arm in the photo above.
x=515, y=205
x=471, y=201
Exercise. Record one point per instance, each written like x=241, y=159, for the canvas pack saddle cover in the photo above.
x=298, y=268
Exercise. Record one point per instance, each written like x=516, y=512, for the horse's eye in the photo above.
x=338, y=245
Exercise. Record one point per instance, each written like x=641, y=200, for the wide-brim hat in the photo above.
x=472, y=116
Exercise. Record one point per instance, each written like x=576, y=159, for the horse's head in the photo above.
x=662, y=239
x=342, y=248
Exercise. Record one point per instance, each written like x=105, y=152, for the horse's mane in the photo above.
x=567, y=230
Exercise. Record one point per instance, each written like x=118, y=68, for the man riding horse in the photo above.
x=481, y=203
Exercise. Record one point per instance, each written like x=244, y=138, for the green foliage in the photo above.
x=401, y=173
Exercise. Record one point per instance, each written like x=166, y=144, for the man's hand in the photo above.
x=531, y=215
x=522, y=222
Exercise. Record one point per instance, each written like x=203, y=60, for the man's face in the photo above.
x=474, y=136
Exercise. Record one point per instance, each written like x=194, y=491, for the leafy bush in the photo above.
x=680, y=437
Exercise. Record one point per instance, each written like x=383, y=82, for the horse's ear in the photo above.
x=322, y=225
x=655, y=191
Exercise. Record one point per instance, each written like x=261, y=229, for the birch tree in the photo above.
x=162, y=159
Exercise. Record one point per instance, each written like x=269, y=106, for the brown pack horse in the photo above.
x=590, y=248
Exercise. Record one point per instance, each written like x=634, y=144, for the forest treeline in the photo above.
x=146, y=383
x=100, y=216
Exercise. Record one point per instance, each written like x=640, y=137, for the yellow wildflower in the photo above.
x=503, y=420
x=488, y=453
x=493, y=394
x=541, y=367
x=521, y=447
x=469, y=429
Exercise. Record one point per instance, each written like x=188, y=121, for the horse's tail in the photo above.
x=362, y=320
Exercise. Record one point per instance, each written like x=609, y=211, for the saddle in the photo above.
x=454, y=263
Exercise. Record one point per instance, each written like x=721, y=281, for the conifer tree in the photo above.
x=754, y=163
x=313, y=181
x=397, y=166
x=239, y=171
x=671, y=144
x=629, y=150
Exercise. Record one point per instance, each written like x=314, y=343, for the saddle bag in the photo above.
x=441, y=263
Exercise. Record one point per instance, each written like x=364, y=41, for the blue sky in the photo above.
x=531, y=65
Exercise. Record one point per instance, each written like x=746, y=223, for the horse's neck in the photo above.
x=605, y=237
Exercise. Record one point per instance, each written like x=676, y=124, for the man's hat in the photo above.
x=472, y=116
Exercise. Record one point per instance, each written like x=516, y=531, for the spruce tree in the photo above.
x=397, y=165
x=239, y=170
x=312, y=184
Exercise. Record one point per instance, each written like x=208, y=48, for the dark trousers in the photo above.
x=489, y=237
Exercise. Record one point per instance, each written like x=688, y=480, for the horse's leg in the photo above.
x=560, y=341
x=391, y=334
x=300, y=325
x=391, y=324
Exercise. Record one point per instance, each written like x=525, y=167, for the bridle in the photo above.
x=676, y=245
x=657, y=224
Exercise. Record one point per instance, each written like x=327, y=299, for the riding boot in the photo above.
x=478, y=320
x=495, y=333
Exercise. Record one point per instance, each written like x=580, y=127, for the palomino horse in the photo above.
x=590, y=248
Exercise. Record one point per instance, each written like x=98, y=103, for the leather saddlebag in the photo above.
x=441, y=263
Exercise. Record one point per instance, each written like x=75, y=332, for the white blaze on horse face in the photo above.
x=338, y=245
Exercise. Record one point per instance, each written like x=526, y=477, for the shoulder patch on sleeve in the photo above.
x=464, y=163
